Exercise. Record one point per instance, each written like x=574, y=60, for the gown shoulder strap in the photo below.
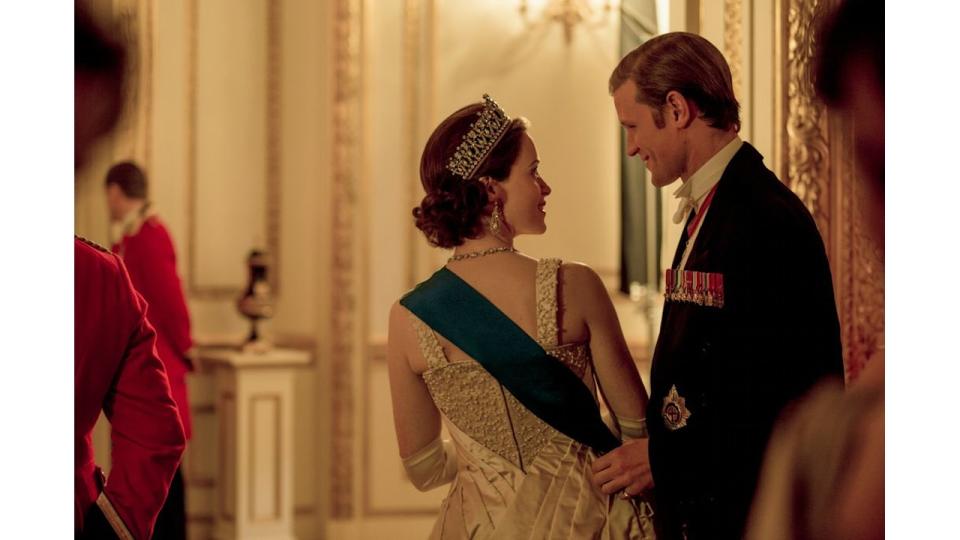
x=548, y=331
x=429, y=344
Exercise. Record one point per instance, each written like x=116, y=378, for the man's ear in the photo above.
x=679, y=110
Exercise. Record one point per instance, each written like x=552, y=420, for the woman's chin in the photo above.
x=533, y=227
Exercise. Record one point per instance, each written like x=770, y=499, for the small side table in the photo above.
x=254, y=397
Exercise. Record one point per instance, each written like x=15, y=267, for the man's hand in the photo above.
x=627, y=468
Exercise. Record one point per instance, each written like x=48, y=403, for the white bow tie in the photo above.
x=686, y=203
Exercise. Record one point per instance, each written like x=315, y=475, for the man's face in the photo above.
x=116, y=203
x=658, y=147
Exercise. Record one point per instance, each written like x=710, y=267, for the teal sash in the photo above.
x=542, y=383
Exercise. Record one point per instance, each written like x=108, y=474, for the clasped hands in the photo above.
x=625, y=469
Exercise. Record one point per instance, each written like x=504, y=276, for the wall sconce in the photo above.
x=569, y=13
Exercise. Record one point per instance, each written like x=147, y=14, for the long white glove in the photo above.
x=632, y=428
x=433, y=465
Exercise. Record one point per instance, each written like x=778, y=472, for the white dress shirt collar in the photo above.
x=692, y=192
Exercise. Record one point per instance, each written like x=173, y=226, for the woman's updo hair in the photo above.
x=453, y=208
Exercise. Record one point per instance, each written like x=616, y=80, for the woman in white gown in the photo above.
x=508, y=352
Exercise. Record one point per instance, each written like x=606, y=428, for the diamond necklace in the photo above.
x=475, y=254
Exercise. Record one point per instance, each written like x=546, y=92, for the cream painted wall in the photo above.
x=304, y=293
x=711, y=21
x=759, y=104
x=231, y=94
x=562, y=89
x=168, y=168
x=231, y=139
x=387, y=142
x=384, y=500
x=532, y=72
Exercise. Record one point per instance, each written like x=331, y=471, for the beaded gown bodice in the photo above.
x=479, y=406
x=517, y=477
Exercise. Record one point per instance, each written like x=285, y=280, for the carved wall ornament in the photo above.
x=807, y=145
x=733, y=43
x=274, y=139
x=347, y=118
x=865, y=322
x=818, y=165
x=411, y=67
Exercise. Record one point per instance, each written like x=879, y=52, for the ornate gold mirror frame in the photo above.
x=814, y=153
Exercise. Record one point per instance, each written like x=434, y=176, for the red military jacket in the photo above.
x=148, y=254
x=116, y=369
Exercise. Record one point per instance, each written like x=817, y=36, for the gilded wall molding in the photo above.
x=417, y=97
x=420, y=83
x=807, y=151
x=347, y=119
x=817, y=162
x=191, y=142
x=412, y=28
x=733, y=42
x=274, y=138
x=867, y=333
x=272, y=172
x=148, y=89
x=861, y=278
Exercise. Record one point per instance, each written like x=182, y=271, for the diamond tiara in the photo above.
x=484, y=134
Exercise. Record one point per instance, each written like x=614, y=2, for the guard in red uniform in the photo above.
x=117, y=369
x=116, y=366
x=147, y=251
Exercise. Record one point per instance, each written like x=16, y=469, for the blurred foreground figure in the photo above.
x=147, y=251
x=116, y=366
x=824, y=474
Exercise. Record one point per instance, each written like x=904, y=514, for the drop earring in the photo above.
x=496, y=218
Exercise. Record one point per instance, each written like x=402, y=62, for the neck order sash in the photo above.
x=542, y=383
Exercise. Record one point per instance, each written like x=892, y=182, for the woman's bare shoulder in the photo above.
x=581, y=277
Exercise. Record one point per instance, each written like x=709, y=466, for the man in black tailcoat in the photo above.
x=749, y=324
